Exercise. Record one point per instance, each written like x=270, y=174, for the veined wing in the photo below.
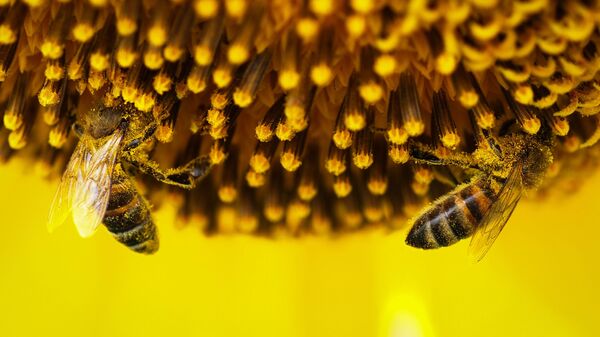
x=497, y=216
x=62, y=203
x=92, y=188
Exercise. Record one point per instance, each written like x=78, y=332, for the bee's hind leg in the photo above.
x=186, y=176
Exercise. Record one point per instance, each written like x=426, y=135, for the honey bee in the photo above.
x=503, y=169
x=95, y=187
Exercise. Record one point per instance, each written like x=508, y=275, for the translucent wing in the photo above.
x=497, y=216
x=92, y=188
x=84, y=189
x=62, y=203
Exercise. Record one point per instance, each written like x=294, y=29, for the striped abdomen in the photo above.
x=452, y=217
x=127, y=216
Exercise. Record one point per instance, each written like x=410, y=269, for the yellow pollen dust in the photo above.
x=385, y=65
x=255, y=179
x=237, y=54
x=468, y=99
x=126, y=26
x=356, y=25
x=342, y=139
x=298, y=124
x=274, y=213
x=83, y=32
x=446, y=63
x=450, y=140
x=486, y=120
x=377, y=186
x=322, y=7
x=157, y=35
x=307, y=29
x=98, y=3
x=17, y=140
x=206, y=8
x=129, y=93
x=164, y=133
x=51, y=49
x=420, y=189
x=247, y=223
x=99, y=61
x=284, y=132
x=259, y=163
x=561, y=127
x=397, y=135
x=216, y=154
x=524, y=94
x=7, y=35
x=307, y=192
x=172, y=53
x=48, y=97
x=355, y=121
x=371, y=92
x=215, y=117
x=162, y=83
x=532, y=125
x=342, y=188
x=423, y=176
x=219, y=101
x=362, y=6
x=289, y=79
x=414, y=128
x=235, y=8
x=362, y=160
x=34, y=3
x=196, y=84
x=321, y=74
x=227, y=194
x=294, y=111
x=145, y=102
x=335, y=166
x=54, y=72
x=263, y=133
x=290, y=161
x=50, y=116
x=398, y=154
x=126, y=57
x=75, y=71
x=221, y=77
x=203, y=55
x=12, y=121
x=153, y=59
x=242, y=98
x=57, y=138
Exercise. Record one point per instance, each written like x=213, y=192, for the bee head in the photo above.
x=536, y=160
x=100, y=121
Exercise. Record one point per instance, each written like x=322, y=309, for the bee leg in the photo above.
x=186, y=176
x=134, y=143
x=424, y=154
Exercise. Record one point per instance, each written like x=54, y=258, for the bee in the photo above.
x=502, y=169
x=96, y=187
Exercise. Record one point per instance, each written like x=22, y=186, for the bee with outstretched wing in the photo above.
x=482, y=206
x=96, y=189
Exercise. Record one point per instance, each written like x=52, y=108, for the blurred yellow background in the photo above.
x=540, y=279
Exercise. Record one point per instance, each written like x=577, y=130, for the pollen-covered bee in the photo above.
x=95, y=187
x=503, y=169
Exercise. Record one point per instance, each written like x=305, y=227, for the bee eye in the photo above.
x=78, y=129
